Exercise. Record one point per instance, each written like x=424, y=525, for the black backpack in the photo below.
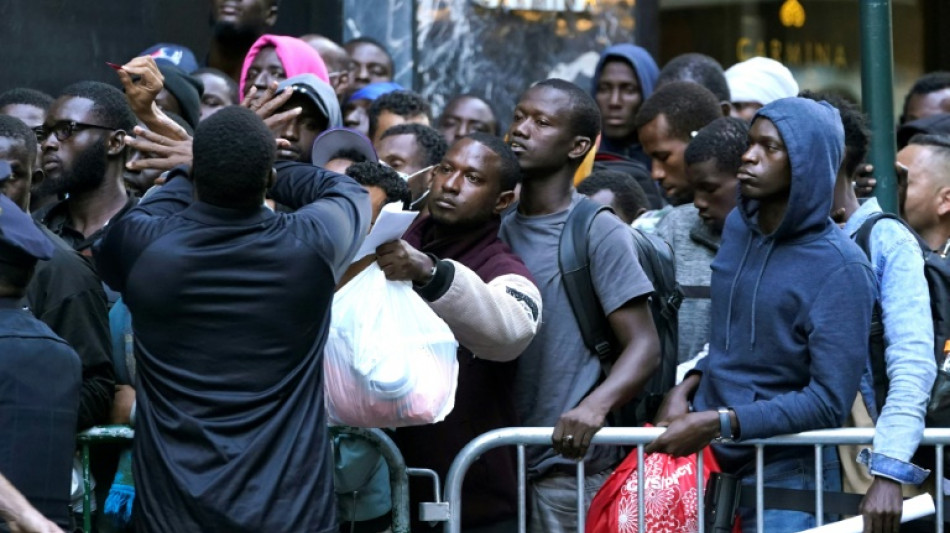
x=657, y=262
x=937, y=272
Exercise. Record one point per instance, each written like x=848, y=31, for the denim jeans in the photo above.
x=794, y=473
x=553, y=503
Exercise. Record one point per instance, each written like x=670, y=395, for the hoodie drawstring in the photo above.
x=732, y=294
x=758, y=281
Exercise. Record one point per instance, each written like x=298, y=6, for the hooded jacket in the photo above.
x=320, y=93
x=295, y=55
x=629, y=158
x=790, y=310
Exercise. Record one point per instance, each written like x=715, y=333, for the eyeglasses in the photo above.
x=64, y=129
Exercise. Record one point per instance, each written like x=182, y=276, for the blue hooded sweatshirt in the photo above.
x=647, y=73
x=790, y=310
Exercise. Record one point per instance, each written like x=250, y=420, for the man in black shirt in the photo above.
x=64, y=293
x=231, y=305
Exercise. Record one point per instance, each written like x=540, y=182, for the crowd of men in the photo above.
x=170, y=246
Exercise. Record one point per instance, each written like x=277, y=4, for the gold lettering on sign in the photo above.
x=794, y=53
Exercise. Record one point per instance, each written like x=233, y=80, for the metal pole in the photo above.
x=877, y=91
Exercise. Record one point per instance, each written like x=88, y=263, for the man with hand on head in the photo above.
x=227, y=370
x=487, y=296
x=560, y=381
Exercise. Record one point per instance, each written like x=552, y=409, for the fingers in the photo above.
x=151, y=136
x=280, y=120
x=250, y=97
x=271, y=103
x=157, y=163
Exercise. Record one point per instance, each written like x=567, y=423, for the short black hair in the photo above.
x=233, y=154
x=629, y=194
x=14, y=128
x=404, y=103
x=26, y=96
x=930, y=139
x=930, y=82
x=370, y=174
x=374, y=42
x=687, y=107
x=232, y=85
x=350, y=154
x=109, y=103
x=857, y=134
x=510, y=169
x=583, y=110
x=456, y=98
x=431, y=141
x=723, y=140
x=697, y=68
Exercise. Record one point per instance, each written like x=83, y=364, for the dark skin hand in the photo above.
x=882, y=506
x=687, y=434
x=864, y=181
x=676, y=402
x=399, y=261
x=633, y=326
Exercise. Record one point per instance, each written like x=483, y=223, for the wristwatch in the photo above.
x=725, y=426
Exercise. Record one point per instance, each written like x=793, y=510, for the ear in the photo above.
x=639, y=212
x=943, y=201
x=271, y=14
x=503, y=201
x=117, y=143
x=726, y=108
x=581, y=146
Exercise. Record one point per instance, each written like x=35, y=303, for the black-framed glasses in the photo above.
x=64, y=129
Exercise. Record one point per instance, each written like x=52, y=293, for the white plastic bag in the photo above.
x=389, y=361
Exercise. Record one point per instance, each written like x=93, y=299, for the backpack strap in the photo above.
x=574, y=263
x=862, y=237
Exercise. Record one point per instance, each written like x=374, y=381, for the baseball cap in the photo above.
x=175, y=54
x=334, y=140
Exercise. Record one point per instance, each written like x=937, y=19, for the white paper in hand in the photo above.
x=391, y=224
x=914, y=508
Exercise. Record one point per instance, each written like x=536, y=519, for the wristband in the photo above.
x=725, y=426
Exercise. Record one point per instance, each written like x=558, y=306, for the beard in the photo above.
x=233, y=34
x=87, y=173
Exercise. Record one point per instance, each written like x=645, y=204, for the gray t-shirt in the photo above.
x=557, y=370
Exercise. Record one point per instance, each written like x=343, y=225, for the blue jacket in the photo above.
x=647, y=73
x=791, y=310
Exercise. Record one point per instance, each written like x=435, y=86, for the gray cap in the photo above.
x=334, y=140
x=320, y=92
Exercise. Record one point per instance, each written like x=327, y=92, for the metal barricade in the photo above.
x=87, y=438
x=398, y=473
x=522, y=437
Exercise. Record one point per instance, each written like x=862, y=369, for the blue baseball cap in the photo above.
x=22, y=244
x=175, y=54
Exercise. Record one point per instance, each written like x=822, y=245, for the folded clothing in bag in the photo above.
x=389, y=361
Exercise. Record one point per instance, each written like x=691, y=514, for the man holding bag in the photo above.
x=486, y=295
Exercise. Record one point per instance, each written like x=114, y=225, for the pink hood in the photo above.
x=297, y=56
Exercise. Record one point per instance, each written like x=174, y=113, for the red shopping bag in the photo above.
x=670, y=502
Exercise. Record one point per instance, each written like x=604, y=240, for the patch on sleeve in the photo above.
x=525, y=301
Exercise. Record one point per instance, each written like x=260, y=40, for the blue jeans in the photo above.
x=797, y=473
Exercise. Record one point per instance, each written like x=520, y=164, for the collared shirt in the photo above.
x=908, y=332
x=57, y=219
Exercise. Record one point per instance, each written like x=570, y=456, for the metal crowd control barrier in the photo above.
x=398, y=473
x=639, y=437
x=96, y=435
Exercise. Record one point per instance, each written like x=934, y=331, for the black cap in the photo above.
x=932, y=125
x=22, y=244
